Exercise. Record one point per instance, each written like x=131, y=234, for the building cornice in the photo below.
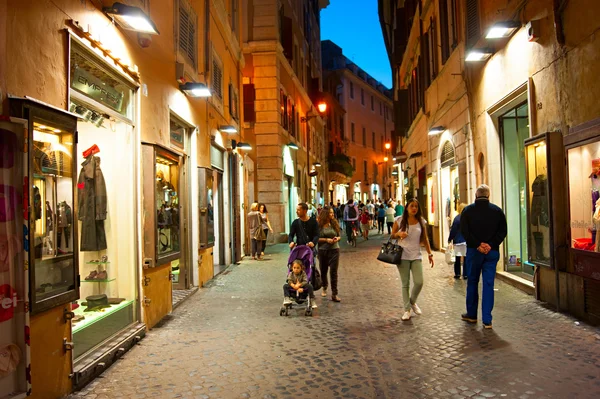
x=348, y=73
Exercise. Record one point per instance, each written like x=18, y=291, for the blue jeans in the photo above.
x=484, y=265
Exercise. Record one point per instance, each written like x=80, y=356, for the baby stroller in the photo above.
x=306, y=255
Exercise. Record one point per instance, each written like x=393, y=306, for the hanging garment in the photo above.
x=539, y=202
x=596, y=219
x=49, y=218
x=595, y=197
x=91, y=190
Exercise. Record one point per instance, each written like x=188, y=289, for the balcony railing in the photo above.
x=340, y=163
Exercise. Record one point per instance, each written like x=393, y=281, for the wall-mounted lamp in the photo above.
x=385, y=159
x=388, y=146
x=502, y=29
x=317, y=164
x=436, y=130
x=241, y=146
x=193, y=89
x=322, y=107
x=479, y=54
x=395, y=173
x=292, y=146
x=227, y=129
x=131, y=18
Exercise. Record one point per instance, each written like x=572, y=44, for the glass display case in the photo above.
x=207, y=207
x=545, y=209
x=52, y=256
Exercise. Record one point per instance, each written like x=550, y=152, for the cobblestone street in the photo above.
x=228, y=341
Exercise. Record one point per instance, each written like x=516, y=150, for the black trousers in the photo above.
x=457, y=266
x=264, y=243
x=289, y=291
x=329, y=260
x=349, y=225
x=256, y=248
x=389, y=225
x=380, y=224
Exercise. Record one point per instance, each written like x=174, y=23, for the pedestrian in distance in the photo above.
x=389, y=217
x=305, y=229
x=371, y=210
x=399, y=209
x=254, y=225
x=381, y=219
x=266, y=226
x=329, y=251
x=483, y=225
x=458, y=244
x=350, y=218
x=411, y=231
x=365, y=219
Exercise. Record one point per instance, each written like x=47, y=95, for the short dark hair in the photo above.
x=303, y=205
x=350, y=201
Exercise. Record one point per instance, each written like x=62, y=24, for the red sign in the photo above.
x=8, y=302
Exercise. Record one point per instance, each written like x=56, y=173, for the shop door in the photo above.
x=513, y=131
x=286, y=202
x=180, y=269
x=219, y=252
x=236, y=248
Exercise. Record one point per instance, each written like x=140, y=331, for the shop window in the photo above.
x=52, y=212
x=187, y=29
x=167, y=206
x=584, y=196
x=177, y=134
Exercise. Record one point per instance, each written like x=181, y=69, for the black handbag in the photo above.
x=390, y=252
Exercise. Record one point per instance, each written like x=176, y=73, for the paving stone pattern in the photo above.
x=228, y=341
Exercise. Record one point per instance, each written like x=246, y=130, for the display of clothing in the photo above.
x=539, y=202
x=64, y=221
x=92, y=204
x=456, y=193
x=596, y=219
x=49, y=218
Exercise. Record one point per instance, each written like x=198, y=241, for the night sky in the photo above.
x=354, y=26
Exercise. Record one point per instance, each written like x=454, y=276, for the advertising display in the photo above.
x=14, y=303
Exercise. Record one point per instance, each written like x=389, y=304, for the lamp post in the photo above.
x=322, y=107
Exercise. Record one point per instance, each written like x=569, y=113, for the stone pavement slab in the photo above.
x=228, y=341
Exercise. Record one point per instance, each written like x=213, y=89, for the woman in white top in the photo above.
x=411, y=229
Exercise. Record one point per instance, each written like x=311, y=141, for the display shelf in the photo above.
x=99, y=281
x=97, y=263
x=94, y=317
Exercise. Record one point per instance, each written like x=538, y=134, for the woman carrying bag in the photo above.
x=256, y=232
x=329, y=251
x=410, y=229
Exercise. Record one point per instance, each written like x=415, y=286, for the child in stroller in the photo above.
x=297, y=287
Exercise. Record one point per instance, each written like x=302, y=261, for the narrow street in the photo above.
x=228, y=341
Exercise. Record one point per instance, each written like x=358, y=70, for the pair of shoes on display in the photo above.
x=96, y=275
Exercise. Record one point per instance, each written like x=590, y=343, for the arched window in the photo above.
x=447, y=155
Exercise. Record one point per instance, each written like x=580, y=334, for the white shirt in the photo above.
x=412, y=243
x=371, y=208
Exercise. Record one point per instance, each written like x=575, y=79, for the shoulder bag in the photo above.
x=259, y=233
x=390, y=252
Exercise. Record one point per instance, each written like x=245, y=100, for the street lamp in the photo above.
x=388, y=146
x=385, y=159
x=502, y=29
x=436, y=130
x=480, y=54
x=292, y=146
x=193, y=89
x=227, y=129
x=241, y=146
x=317, y=164
x=322, y=107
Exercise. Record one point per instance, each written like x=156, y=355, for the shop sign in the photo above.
x=95, y=88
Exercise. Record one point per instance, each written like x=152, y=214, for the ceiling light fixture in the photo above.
x=480, y=54
x=193, y=89
x=131, y=18
x=502, y=29
x=227, y=129
x=436, y=130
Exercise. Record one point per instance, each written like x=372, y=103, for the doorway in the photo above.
x=514, y=129
x=449, y=184
x=219, y=225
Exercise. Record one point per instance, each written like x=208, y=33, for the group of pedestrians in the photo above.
x=476, y=235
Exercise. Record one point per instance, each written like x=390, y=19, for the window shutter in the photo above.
x=445, y=40
x=472, y=22
x=217, y=78
x=447, y=156
x=233, y=102
x=187, y=32
x=249, y=96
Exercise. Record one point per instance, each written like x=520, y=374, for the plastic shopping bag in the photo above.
x=450, y=256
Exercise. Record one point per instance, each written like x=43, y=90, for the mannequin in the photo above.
x=596, y=218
